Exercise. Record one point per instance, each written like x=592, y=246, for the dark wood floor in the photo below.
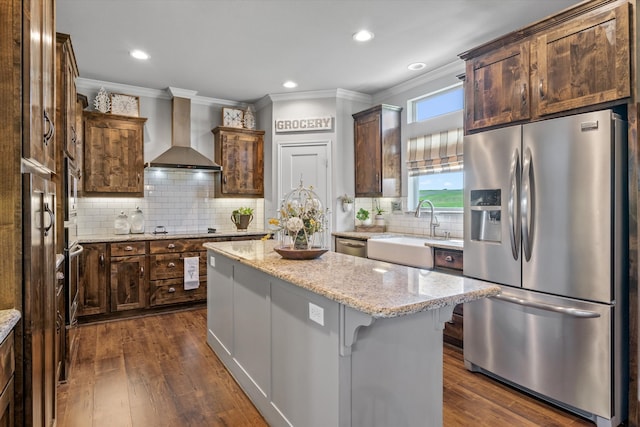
x=159, y=371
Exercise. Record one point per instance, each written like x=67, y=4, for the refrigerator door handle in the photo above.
x=514, y=229
x=527, y=203
x=575, y=312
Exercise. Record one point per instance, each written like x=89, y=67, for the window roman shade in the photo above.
x=436, y=152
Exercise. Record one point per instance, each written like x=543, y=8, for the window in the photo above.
x=435, y=158
x=443, y=189
x=447, y=100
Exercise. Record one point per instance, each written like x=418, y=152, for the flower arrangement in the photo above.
x=301, y=219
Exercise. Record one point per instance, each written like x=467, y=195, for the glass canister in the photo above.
x=137, y=221
x=121, y=224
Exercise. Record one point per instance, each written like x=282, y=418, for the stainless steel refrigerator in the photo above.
x=546, y=216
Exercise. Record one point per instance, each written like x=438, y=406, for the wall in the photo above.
x=204, y=211
x=339, y=104
x=182, y=202
x=401, y=95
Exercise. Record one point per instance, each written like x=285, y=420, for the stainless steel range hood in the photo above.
x=181, y=155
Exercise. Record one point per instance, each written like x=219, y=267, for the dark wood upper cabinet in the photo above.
x=66, y=98
x=583, y=62
x=38, y=68
x=497, y=87
x=376, y=134
x=113, y=155
x=240, y=152
x=577, y=60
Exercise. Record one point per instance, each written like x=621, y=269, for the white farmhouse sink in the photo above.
x=411, y=251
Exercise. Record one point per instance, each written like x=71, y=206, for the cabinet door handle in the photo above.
x=172, y=290
x=541, y=88
x=224, y=179
x=523, y=93
x=50, y=128
x=171, y=246
x=128, y=249
x=52, y=219
x=171, y=265
x=101, y=260
x=74, y=135
x=141, y=271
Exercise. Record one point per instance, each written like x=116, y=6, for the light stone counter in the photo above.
x=8, y=320
x=455, y=244
x=379, y=289
x=106, y=238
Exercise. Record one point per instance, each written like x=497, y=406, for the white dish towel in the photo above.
x=191, y=273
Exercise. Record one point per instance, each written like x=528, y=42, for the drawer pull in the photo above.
x=449, y=258
x=171, y=265
x=171, y=246
x=172, y=290
x=128, y=248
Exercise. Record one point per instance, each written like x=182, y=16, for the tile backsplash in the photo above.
x=182, y=202
x=405, y=222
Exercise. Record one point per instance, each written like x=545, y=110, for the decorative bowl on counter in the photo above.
x=288, y=253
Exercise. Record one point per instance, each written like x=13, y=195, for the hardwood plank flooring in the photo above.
x=159, y=371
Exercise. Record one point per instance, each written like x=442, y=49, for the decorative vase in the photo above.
x=241, y=221
x=367, y=222
x=249, y=121
x=301, y=241
x=379, y=220
x=102, y=102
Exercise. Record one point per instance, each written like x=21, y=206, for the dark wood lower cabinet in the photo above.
x=450, y=261
x=130, y=278
x=92, y=289
x=7, y=368
x=128, y=290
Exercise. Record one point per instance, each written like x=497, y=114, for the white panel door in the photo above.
x=308, y=162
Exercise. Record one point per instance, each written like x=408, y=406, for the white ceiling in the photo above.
x=241, y=50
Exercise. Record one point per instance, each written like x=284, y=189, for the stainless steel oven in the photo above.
x=72, y=251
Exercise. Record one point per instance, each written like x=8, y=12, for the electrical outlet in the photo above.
x=316, y=313
x=212, y=261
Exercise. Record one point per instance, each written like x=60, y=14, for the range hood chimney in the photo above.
x=181, y=155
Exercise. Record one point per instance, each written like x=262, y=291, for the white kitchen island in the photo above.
x=335, y=341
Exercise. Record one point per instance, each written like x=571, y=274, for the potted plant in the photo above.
x=363, y=216
x=347, y=203
x=379, y=219
x=242, y=217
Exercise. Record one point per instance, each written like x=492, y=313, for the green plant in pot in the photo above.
x=379, y=219
x=363, y=216
x=242, y=217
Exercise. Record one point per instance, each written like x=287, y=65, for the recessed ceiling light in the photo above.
x=416, y=66
x=289, y=84
x=138, y=54
x=363, y=36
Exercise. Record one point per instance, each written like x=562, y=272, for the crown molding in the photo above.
x=95, y=85
x=316, y=94
x=451, y=69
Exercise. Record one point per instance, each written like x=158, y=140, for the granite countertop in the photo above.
x=8, y=320
x=99, y=238
x=456, y=244
x=377, y=288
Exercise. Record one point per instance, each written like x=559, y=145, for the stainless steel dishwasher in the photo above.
x=353, y=247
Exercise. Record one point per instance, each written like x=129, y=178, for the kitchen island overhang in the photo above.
x=335, y=341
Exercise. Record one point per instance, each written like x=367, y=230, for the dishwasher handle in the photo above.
x=352, y=244
x=575, y=312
